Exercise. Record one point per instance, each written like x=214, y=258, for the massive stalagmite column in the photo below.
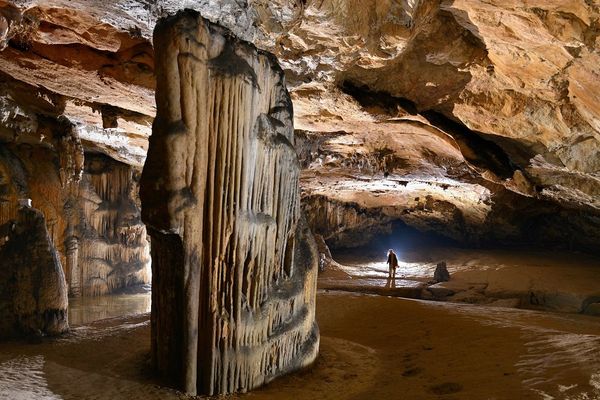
x=234, y=266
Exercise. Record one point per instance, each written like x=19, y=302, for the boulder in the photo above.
x=441, y=273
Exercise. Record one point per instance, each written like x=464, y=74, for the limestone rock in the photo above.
x=33, y=291
x=441, y=273
x=91, y=209
x=487, y=107
x=234, y=266
x=113, y=250
x=325, y=258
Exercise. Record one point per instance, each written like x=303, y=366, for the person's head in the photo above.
x=390, y=251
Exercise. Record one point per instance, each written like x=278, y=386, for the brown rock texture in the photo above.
x=474, y=119
x=33, y=291
x=234, y=265
x=77, y=103
x=91, y=210
x=510, y=85
x=114, y=251
x=504, y=92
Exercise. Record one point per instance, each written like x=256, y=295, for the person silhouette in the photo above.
x=392, y=262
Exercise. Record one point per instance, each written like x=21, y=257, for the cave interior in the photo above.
x=210, y=191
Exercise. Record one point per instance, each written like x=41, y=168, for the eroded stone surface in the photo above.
x=234, y=265
x=91, y=210
x=33, y=290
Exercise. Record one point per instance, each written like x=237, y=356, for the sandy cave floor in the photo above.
x=372, y=347
x=546, y=280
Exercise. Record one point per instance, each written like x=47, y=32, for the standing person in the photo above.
x=392, y=262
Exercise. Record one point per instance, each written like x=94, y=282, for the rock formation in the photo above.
x=507, y=83
x=234, y=265
x=91, y=210
x=441, y=273
x=33, y=291
x=113, y=251
x=476, y=120
x=483, y=106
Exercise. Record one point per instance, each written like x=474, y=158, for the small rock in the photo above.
x=592, y=309
x=441, y=273
x=446, y=388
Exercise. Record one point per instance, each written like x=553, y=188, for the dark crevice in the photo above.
x=401, y=238
x=474, y=145
x=368, y=99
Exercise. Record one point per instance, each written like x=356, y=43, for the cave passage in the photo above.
x=200, y=202
x=495, y=275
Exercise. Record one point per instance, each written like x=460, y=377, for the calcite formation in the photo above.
x=91, y=210
x=476, y=120
x=114, y=251
x=234, y=265
x=33, y=291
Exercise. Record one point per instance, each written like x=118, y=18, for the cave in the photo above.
x=299, y=199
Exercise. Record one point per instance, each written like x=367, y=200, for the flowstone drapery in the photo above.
x=234, y=265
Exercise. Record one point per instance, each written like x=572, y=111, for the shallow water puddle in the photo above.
x=562, y=358
x=88, y=309
x=22, y=378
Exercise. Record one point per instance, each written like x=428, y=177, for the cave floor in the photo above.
x=372, y=347
x=135, y=300
x=552, y=281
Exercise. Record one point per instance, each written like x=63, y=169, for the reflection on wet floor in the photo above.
x=379, y=270
x=555, y=281
x=22, y=378
x=482, y=352
x=84, y=310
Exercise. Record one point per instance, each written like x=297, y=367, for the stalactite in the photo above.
x=114, y=252
x=344, y=224
x=91, y=208
x=234, y=266
x=70, y=157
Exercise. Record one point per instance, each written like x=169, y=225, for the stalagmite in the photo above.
x=33, y=291
x=234, y=266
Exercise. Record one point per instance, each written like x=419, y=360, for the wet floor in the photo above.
x=372, y=347
x=84, y=310
x=419, y=262
x=553, y=281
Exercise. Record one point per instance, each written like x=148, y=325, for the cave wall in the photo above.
x=113, y=251
x=234, y=265
x=33, y=290
x=362, y=75
x=90, y=206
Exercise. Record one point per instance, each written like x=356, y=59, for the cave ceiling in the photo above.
x=437, y=113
